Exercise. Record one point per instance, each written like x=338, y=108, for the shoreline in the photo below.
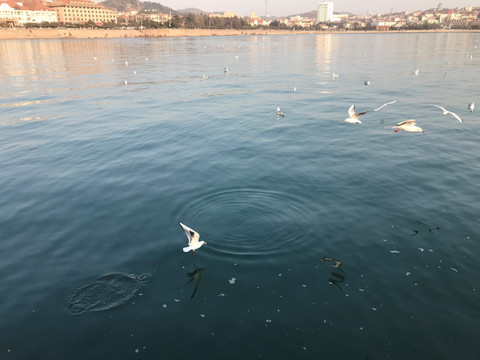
x=62, y=33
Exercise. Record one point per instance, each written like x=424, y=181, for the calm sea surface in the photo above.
x=325, y=240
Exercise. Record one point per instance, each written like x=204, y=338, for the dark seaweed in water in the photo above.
x=108, y=291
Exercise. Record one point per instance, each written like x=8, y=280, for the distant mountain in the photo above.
x=136, y=5
x=309, y=15
x=193, y=11
x=313, y=14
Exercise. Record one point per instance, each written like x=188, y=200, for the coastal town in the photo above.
x=87, y=13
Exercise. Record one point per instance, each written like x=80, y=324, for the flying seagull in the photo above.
x=408, y=125
x=353, y=117
x=388, y=103
x=446, y=112
x=471, y=106
x=193, y=237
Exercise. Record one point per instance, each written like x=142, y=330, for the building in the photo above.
x=155, y=17
x=82, y=11
x=30, y=12
x=222, y=15
x=325, y=12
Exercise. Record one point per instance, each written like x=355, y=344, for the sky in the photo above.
x=289, y=7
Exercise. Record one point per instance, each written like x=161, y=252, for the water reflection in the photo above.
x=430, y=228
x=338, y=275
x=195, y=275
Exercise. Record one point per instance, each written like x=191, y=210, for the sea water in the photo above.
x=324, y=239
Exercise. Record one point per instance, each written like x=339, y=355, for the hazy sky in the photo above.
x=289, y=7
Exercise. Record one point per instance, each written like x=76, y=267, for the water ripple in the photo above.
x=264, y=221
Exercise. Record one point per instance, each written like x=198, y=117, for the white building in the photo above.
x=325, y=12
x=18, y=13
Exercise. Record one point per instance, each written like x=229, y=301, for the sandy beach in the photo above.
x=20, y=33
x=57, y=33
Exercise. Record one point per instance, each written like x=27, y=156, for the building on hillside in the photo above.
x=325, y=12
x=31, y=11
x=158, y=17
x=82, y=11
x=222, y=14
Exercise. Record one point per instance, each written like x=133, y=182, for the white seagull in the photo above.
x=335, y=76
x=446, y=112
x=279, y=112
x=353, y=117
x=409, y=126
x=193, y=237
x=388, y=103
x=367, y=82
x=471, y=106
x=415, y=72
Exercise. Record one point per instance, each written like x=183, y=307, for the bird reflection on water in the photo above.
x=337, y=276
x=196, y=275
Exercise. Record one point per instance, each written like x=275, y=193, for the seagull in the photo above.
x=471, y=106
x=446, y=112
x=335, y=76
x=279, y=112
x=367, y=82
x=409, y=126
x=225, y=70
x=415, y=72
x=193, y=236
x=388, y=103
x=353, y=117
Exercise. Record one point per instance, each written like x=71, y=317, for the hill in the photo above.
x=137, y=5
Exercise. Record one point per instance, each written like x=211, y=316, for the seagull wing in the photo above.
x=351, y=111
x=388, y=103
x=456, y=116
x=357, y=115
x=407, y=122
x=440, y=107
x=192, y=235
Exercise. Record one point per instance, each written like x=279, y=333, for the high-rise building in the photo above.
x=325, y=12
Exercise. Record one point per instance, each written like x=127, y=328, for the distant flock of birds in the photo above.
x=408, y=125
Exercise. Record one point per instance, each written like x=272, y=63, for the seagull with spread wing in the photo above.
x=408, y=125
x=386, y=104
x=193, y=239
x=446, y=112
x=353, y=116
